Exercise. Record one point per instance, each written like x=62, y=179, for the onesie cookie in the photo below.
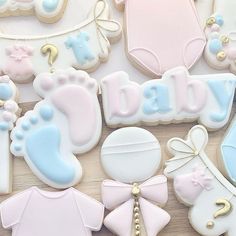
x=130, y=156
x=9, y=112
x=47, y=11
x=220, y=52
x=174, y=98
x=84, y=47
x=66, y=122
x=39, y=212
x=158, y=37
x=199, y=185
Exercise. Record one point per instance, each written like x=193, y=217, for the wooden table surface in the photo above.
x=94, y=175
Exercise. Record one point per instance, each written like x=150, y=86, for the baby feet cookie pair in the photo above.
x=66, y=122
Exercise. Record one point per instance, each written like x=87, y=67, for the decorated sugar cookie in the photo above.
x=131, y=156
x=48, y=11
x=220, y=51
x=38, y=212
x=9, y=112
x=199, y=185
x=84, y=47
x=66, y=122
x=174, y=98
x=159, y=37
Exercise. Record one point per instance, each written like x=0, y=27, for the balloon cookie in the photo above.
x=158, y=37
x=47, y=11
x=66, y=122
x=199, y=185
x=174, y=98
x=84, y=46
x=131, y=156
x=9, y=112
x=220, y=51
x=38, y=212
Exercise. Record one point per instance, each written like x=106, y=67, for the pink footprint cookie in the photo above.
x=38, y=212
x=160, y=37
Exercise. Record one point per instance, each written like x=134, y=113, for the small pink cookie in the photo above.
x=38, y=212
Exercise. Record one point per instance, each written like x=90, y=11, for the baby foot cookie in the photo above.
x=131, y=156
x=84, y=47
x=47, y=11
x=173, y=98
x=220, y=51
x=199, y=185
x=66, y=122
x=39, y=212
x=165, y=38
x=9, y=112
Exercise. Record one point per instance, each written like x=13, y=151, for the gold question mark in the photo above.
x=225, y=210
x=52, y=50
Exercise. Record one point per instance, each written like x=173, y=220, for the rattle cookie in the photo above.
x=131, y=156
x=9, y=112
x=174, y=98
x=84, y=46
x=39, y=212
x=66, y=122
x=200, y=185
x=220, y=52
x=154, y=40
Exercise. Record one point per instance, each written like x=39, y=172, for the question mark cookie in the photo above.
x=66, y=122
x=200, y=185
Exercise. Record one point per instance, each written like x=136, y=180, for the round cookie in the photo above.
x=131, y=155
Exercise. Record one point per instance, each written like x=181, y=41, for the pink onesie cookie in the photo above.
x=162, y=34
x=38, y=212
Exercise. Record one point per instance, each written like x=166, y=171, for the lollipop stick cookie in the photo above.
x=8, y=114
x=66, y=122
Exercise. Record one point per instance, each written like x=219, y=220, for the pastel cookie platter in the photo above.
x=81, y=149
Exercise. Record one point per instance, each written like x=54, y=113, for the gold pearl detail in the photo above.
x=137, y=233
x=210, y=224
x=211, y=21
x=221, y=56
x=135, y=190
x=136, y=221
x=224, y=39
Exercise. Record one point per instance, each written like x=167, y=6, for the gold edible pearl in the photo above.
x=136, y=221
x=136, y=209
x=136, y=202
x=137, y=227
x=2, y=103
x=210, y=224
x=137, y=233
x=224, y=39
x=135, y=190
x=221, y=56
x=136, y=215
x=211, y=21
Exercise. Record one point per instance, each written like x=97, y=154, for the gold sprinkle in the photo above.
x=137, y=227
x=135, y=190
x=136, y=215
x=224, y=39
x=136, y=221
x=211, y=21
x=137, y=233
x=210, y=224
x=221, y=56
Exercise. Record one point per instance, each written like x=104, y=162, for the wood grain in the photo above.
x=94, y=175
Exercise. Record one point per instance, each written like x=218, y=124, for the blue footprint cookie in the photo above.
x=66, y=122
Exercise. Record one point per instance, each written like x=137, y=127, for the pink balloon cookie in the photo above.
x=131, y=156
x=38, y=212
x=160, y=37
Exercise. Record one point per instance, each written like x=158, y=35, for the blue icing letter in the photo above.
x=80, y=47
x=228, y=152
x=223, y=92
x=5, y=91
x=215, y=46
x=50, y=5
x=157, y=99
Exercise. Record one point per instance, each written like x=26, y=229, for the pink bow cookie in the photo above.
x=129, y=202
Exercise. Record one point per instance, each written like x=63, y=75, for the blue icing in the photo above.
x=215, y=46
x=50, y=5
x=223, y=92
x=17, y=147
x=33, y=120
x=5, y=91
x=228, y=151
x=46, y=112
x=4, y=126
x=25, y=125
x=2, y=2
x=157, y=99
x=219, y=20
x=19, y=135
x=42, y=147
x=80, y=47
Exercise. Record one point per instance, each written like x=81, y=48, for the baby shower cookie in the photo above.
x=9, y=112
x=220, y=52
x=158, y=37
x=130, y=156
x=199, y=185
x=84, y=46
x=47, y=11
x=66, y=122
x=38, y=212
x=174, y=98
